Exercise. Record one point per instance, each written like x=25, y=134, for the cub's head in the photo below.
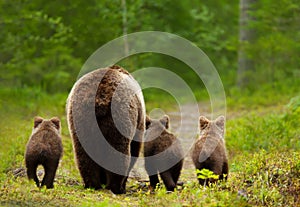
x=212, y=127
x=154, y=127
x=41, y=124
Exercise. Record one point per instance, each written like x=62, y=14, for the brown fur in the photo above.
x=44, y=148
x=95, y=176
x=158, y=140
x=209, y=150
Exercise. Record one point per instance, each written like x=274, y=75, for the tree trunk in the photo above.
x=246, y=37
x=124, y=8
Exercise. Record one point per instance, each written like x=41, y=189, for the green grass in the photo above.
x=261, y=96
x=263, y=143
x=273, y=131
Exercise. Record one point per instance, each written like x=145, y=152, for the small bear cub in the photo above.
x=163, y=153
x=44, y=148
x=209, y=149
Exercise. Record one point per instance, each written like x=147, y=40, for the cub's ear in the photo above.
x=220, y=122
x=203, y=121
x=148, y=121
x=37, y=121
x=165, y=121
x=56, y=122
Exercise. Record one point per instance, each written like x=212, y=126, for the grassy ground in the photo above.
x=262, y=138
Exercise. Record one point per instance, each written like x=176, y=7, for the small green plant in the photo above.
x=206, y=175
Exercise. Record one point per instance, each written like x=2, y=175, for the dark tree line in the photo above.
x=45, y=43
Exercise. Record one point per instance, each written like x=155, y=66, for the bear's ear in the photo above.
x=220, y=122
x=37, y=121
x=203, y=121
x=148, y=121
x=165, y=121
x=56, y=122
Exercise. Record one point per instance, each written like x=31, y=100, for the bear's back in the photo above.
x=45, y=142
x=160, y=144
x=100, y=87
x=210, y=146
x=108, y=99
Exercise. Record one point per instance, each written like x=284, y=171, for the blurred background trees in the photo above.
x=246, y=37
x=44, y=43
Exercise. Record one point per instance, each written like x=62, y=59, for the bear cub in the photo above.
x=209, y=150
x=44, y=148
x=163, y=153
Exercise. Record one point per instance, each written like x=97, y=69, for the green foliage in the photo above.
x=277, y=131
x=277, y=42
x=33, y=50
x=270, y=178
x=206, y=174
x=43, y=45
x=276, y=93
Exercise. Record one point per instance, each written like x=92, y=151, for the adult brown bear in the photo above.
x=106, y=119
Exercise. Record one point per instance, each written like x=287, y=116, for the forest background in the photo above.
x=254, y=45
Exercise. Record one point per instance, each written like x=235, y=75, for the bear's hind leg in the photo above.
x=217, y=170
x=31, y=173
x=134, y=151
x=115, y=182
x=50, y=170
x=93, y=178
x=168, y=180
x=103, y=179
x=176, y=171
x=92, y=174
x=224, y=174
x=153, y=181
x=200, y=166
